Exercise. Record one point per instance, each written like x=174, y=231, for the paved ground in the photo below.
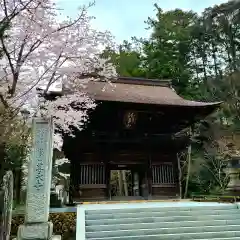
x=108, y=204
x=150, y=204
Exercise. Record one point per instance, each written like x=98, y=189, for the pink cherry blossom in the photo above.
x=43, y=51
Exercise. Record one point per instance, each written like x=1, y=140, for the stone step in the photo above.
x=154, y=225
x=231, y=238
x=157, y=238
x=182, y=236
x=233, y=216
x=146, y=221
x=157, y=213
x=154, y=208
x=163, y=231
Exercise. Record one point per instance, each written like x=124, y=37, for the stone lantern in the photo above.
x=233, y=171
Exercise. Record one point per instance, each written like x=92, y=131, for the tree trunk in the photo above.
x=179, y=176
x=214, y=50
x=232, y=48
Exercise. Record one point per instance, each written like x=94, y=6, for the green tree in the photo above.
x=200, y=54
x=127, y=60
x=167, y=53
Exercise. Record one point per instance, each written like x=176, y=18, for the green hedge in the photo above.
x=215, y=198
x=64, y=224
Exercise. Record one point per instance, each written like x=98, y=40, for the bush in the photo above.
x=64, y=224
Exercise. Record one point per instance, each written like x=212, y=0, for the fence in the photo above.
x=163, y=174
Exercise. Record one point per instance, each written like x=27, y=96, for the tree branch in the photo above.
x=4, y=48
x=4, y=102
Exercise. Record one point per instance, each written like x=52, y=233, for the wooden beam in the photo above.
x=92, y=186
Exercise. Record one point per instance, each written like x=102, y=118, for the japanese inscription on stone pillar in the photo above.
x=40, y=172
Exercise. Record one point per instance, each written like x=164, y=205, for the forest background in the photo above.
x=200, y=53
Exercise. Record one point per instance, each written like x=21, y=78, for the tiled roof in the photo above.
x=143, y=91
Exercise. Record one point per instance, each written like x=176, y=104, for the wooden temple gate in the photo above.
x=137, y=126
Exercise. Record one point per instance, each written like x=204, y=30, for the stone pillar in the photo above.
x=36, y=225
x=233, y=171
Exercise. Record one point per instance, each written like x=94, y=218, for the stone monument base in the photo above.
x=37, y=231
x=56, y=237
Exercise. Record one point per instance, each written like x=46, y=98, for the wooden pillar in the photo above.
x=144, y=180
x=107, y=179
x=105, y=159
x=71, y=182
x=135, y=186
x=140, y=176
x=149, y=176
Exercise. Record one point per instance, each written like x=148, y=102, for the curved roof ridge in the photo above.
x=143, y=81
x=119, y=91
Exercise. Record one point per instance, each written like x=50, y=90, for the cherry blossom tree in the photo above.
x=48, y=52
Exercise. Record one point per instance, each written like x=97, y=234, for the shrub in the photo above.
x=64, y=224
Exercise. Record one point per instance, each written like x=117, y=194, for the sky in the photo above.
x=125, y=18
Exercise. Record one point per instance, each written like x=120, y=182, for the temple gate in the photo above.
x=137, y=126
